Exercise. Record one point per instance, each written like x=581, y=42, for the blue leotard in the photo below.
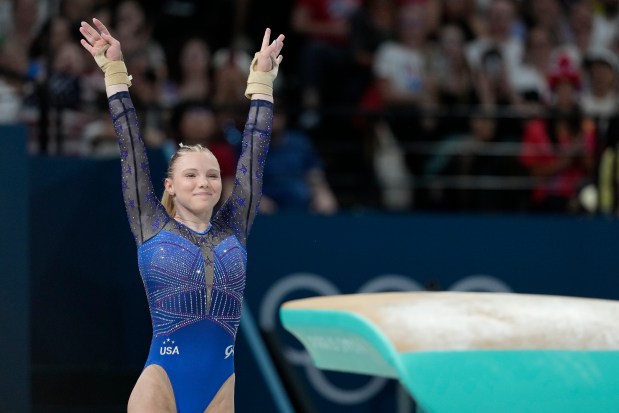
x=194, y=281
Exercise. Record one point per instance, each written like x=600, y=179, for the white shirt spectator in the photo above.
x=402, y=66
x=511, y=50
x=604, y=30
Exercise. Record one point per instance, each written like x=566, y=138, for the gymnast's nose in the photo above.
x=203, y=183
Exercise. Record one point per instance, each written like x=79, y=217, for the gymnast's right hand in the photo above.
x=100, y=42
x=106, y=51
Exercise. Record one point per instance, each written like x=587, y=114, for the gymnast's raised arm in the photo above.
x=146, y=214
x=240, y=209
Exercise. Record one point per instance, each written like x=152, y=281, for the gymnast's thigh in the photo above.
x=223, y=402
x=152, y=392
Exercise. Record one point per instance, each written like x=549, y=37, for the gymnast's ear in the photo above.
x=169, y=188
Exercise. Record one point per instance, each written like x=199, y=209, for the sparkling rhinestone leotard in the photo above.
x=194, y=281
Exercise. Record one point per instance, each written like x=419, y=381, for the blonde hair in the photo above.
x=167, y=200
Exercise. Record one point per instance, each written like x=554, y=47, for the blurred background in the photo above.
x=466, y=145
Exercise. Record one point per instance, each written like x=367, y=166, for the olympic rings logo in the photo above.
x=275, y=296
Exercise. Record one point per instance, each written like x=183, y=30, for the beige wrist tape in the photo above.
x=258, y=81
x=115, y=70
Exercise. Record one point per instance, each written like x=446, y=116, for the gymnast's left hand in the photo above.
x=269, y=57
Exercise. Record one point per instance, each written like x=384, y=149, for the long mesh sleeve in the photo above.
x=239, y=211
x=146, y=214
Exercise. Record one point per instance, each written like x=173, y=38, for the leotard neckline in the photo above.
x=210, y=225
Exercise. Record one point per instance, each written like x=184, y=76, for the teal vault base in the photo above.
x=490, y=381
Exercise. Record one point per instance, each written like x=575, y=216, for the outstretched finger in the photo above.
x=279, y=43
x=89, y=32
x=276, y=46
x=87, y=36
x=87, y=26
x=88, y=47
x=101, y=26
x=265, y=39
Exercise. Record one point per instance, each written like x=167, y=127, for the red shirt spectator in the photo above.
x=325, y=20
x=562, y=165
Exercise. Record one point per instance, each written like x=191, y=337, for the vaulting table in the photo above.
x=471, y=352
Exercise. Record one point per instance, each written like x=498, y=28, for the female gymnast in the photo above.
x=192, y=262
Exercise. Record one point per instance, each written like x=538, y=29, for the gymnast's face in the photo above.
x=195, y=184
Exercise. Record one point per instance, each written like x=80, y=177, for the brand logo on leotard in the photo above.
x=229, y=351
x=168, y=348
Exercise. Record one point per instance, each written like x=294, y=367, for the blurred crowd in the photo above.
x=476, y=105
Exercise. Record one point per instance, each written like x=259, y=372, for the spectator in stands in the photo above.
x=601, y=98
x=548, y=16
x=530, y=76
x=400, y=65
x=455, y=86
x=13, y=71
x=324, y=59
x=145, y=60
x=16, y=39
x=494, y=56
x=214, y=21
x=370, y=26
x=601, y=101
x=100, y=141
x=294, y=178
x=65, y=94
x=405, y=91
x=492, y=80
x=25, y=22
x=76, y=11
x=401, y=70
x=559, y=151
x=608, y=169
x=473, y=159
x=501, y=20
x=194, y=82
x=144, y=56
x=614, y=45
x=463, y=14
x=99, y=138
x=231, y=60
x=230, y=79
x=580, y=29
x=605, y=22
x=53, y=34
